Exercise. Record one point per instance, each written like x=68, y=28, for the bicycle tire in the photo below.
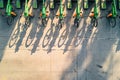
x=94, y=22
x=60, y=25
x=44, y=22
x=112, y=22
x=76, y=22
x=27, y=22
x=10, y=20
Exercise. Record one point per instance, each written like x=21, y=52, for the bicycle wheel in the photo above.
x=60, y=25
x=76, y=22
x=27, y=21
x=44, y=22
x=94, y=22
x=112, y=22
x=10, y=20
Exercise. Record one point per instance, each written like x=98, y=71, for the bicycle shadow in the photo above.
x=38, y=37
x=21, y=37
x=35, y=26
x=63, y=37
x=54, y=38
x=47, y=37
x=90, y=61
x=15, y=35
x=72, y=33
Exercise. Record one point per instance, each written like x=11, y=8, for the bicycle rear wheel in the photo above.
x=94, y=22
x=112, y=22
x=44, y=22
x=10, y=20
x=28, y=21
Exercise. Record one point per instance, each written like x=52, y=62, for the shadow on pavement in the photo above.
x=21, y=37
x=14, y=37
x=54, y=37
x=94, y=58
x=63, y=37
x=38, y=37
x=47, y=38
x=6, y=34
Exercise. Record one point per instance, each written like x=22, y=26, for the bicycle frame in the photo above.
x=114, y=9
x=94, y=15
x=8, y=8
x=61, y=10
x=78, y=14
x=113, y=14
x=61, y=15
x=44, y=14
x=96, y=9
x=26, y=11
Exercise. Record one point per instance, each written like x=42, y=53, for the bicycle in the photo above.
x=112, y=15
x=112, y=20
x=77, y=15
x=10, y=18
x=44, y=15
x=61, y=16
x=28, y=16
x=10, y=14
x=94, y=15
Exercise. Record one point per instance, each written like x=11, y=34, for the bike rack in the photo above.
x=69, y=4
x=85, y=4
x=103, y=4
x=35, y=4
x=52, y=4
x=1, y=4
x=18, y=4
